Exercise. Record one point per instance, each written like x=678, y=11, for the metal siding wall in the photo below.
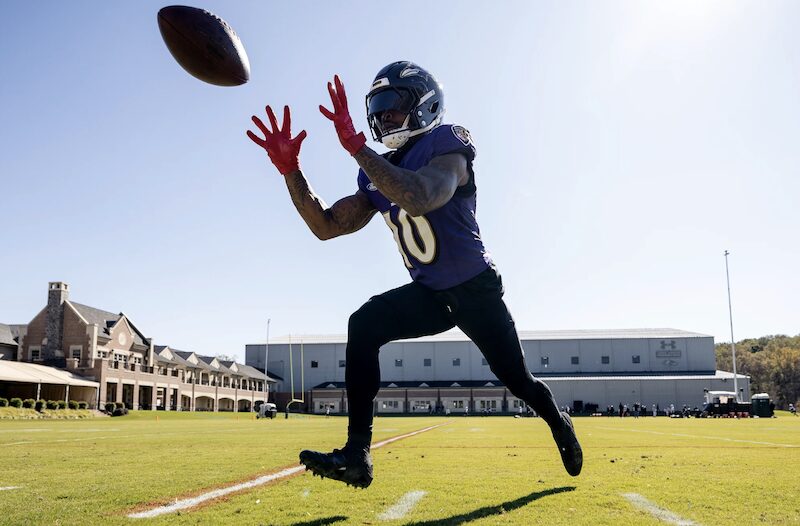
x=443, y=357
x=591, y=353
x=701, y=354
x=667, y=362
x=559, y=352
x=388, y=354
x=625, y=349
x=533, y=356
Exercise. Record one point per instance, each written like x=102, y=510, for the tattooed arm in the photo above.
x=417, y=192
x=347, y=215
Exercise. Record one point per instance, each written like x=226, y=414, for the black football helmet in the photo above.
x=409, y=89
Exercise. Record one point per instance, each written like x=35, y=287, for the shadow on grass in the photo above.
x=321, y=522
x=498, y=509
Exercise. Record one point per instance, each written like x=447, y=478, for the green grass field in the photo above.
x=495, y=470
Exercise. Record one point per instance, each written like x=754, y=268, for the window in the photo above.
x=391, y=404
x=75, y=351
x=426, y=362
x=36, y=353
x=605, y=360
x=575, y=360
x=545, y=360
x=458, y=404
x=342, y=363
x=398, y=363
x=456, y=362
x=314, y=364
x=636, y=358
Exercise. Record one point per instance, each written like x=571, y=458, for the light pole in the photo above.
x=730, y=315
x=266, y=360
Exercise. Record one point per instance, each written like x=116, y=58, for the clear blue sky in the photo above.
x=622, y=146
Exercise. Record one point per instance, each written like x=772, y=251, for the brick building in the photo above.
x=109, y=349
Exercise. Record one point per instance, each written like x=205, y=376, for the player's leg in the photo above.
x=482, y=314
x=406, y=312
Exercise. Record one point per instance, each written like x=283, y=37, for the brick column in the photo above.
x=119, y=391
x=153, y=396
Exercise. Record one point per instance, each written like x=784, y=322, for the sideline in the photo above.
x=191, y=502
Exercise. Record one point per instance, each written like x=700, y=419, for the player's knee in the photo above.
x=364, y=325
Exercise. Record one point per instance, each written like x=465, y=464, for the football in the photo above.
x=204, y=45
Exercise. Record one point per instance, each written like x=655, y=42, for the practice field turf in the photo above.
x=471, y=470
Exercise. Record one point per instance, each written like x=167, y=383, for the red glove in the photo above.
x=340, y=116
x=283, y=151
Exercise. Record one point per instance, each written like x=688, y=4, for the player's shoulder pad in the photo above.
x=453, y=138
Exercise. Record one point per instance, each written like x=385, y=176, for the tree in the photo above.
x=226, y=358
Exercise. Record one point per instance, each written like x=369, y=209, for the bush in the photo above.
x=120, y=411
x=83, y=405
x=73, y=404
x=16, y=402
x=3, y=402
x=62, y=404
x=52, y=404
x=120, y=405
x=110, y=406
x=39, y=405
x=28, y=403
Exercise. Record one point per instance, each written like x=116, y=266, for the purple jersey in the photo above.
x=442, y=248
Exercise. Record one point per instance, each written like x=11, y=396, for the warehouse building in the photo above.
x=447, y=373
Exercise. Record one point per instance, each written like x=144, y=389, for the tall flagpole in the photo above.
x=730, y=315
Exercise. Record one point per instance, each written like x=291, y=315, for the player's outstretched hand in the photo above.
x=283, y=150
x=340, y=116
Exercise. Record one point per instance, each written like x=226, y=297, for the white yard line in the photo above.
x=403, y=506
x=9, y=487
x=194, y=501
x=215, y=494
x=685, y=435
x=659, y=513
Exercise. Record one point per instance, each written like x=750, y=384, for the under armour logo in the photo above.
x=670, y=345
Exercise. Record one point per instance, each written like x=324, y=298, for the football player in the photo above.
x=424, y=188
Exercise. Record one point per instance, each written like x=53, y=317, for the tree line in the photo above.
x=772, y=363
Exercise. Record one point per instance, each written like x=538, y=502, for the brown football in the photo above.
x=204, y=45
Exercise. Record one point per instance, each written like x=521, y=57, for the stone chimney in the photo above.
x=57, y=294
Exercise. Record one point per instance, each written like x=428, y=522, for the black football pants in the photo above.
x=476, y=307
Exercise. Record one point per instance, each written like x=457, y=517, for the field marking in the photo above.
x=403, y=506
x=6, y=488
x=686, y=435
x=661, y=514
x=194, y=501
x=191, y=502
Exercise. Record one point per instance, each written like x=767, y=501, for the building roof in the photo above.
x=9, y=334
x=34, y=373
x=456, y=335
x=106, y=320
x=185, y=356
x=209, y=361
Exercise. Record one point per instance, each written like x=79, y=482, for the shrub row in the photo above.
x=39, y=405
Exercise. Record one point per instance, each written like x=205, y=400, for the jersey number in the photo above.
x=414, y=236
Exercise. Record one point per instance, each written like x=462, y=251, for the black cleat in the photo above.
x=568, y=446
x=353, y=466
